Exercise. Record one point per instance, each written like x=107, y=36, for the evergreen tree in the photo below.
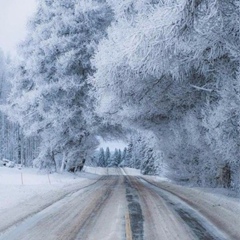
x=107, y=157
x=114, y=159
x=128, y=159
x=101, y=158
x=119, y=156
x=167, y=77
x=14, y=146
x=123, y=157
x=50, y=94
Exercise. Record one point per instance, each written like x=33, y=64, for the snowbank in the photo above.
x=110, y=171
x=24, y=192
x=96, y=170
x=131, y=171
x=221, y=210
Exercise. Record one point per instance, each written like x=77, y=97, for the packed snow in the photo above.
x=28, y=191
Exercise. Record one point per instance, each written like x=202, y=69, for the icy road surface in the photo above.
x=119, y=206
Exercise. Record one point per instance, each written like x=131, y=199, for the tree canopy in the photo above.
x=162, y=73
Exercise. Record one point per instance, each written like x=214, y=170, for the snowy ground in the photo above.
x=112, y=171
x=28, y=187
x=165, y=210
x=26, y=191
x=213, y=204
x=18, y=185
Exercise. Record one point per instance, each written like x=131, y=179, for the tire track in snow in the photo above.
x=135, y=211
x=34, y=219
x=96, y=211
x=201, y=226
x=160, y=221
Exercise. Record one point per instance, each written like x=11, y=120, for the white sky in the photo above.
x=13, y=19
x=111, y=144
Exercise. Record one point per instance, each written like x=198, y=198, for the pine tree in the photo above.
x=101, y=158
x=50, y=95
x=107, y=157
x=123, y=158
x=129, y=154
x=160, y=76
x=119, y=156
x=115, y=158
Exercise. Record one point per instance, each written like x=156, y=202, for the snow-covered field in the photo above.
x=30, y=190
x=17, y=186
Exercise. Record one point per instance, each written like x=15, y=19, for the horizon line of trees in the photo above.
x=107, y=158
x=139, y=154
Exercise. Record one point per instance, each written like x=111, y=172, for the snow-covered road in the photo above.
x=131, y=207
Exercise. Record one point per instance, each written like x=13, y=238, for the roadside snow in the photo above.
x=39, y=190
x=112, y=171
x=131, y=171
x=221, y=210
x=18, y=185
x=96, y=170
x=26, y=191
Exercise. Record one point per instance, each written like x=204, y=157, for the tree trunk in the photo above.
x=63, y=162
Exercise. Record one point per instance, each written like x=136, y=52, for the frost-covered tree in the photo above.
x=223, y=123
x=114, y=159
x=144, y=153
x=50, y=96
x=123, y=158
x=166, y=57
x=164, y=63
x=128, y=157
x=107, y=156
x=14, y=145
x=124, y=152
x=119, y=156
x=168, y=71
x=101, y=158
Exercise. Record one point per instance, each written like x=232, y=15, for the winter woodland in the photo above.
x=163, y=75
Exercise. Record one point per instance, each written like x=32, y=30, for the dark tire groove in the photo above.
x=187, y=214
x=135, y=211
